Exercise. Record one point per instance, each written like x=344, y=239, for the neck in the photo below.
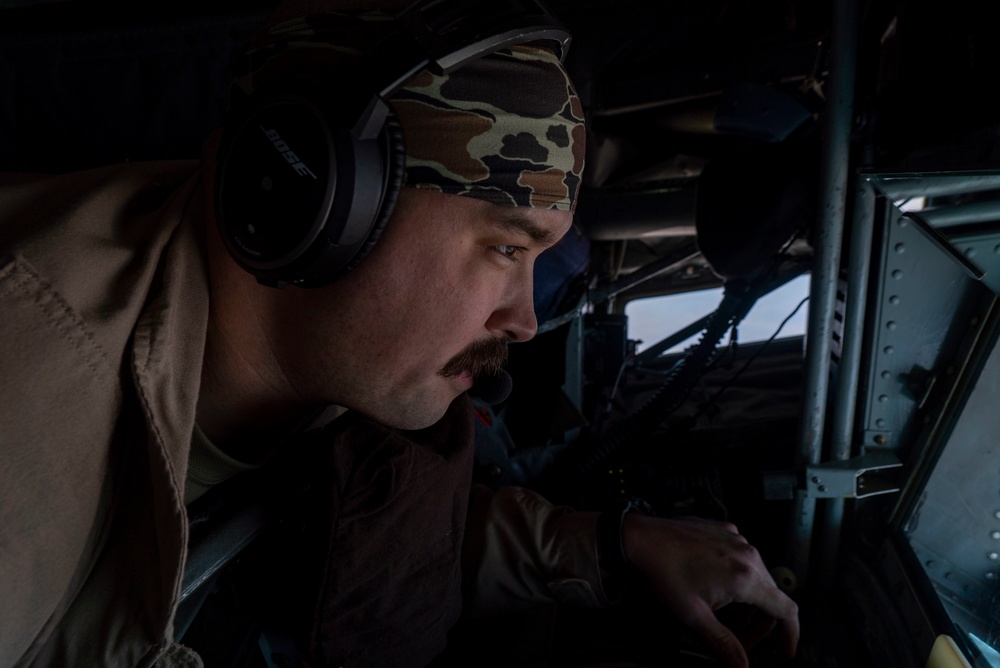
x=244, y=397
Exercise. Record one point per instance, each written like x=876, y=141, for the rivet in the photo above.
x=930, y=563
x=886, y=375
x=997, y=514
x=993, y=556
x=990, y=575
x=900, y=248
x=822, y=488
x=897, y=274
x=880, y=423
x=815, y=478
x=970, y=252
x=996, y=249
x=891, y=325
x=894, y=300
x=888, y=350
x=995, y=535
x=903, y=222
x=883, y=398
x=880, y=439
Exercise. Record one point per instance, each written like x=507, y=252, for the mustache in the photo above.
x=486, y=356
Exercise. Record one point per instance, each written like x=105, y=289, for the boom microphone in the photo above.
x=495, y=388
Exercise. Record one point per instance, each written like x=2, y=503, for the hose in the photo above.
x=737, y=300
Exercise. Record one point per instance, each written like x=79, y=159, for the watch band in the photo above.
x=611, y=547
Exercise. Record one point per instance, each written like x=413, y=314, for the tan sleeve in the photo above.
x=520, y=551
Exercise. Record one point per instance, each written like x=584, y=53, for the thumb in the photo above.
x=721, y=641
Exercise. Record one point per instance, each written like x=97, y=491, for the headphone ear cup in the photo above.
x=394, y=153
x=299, y=199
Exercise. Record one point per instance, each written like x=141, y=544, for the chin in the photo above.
x=415, y=415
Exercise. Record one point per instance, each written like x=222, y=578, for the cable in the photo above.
x=746, y=365
x=675, y=390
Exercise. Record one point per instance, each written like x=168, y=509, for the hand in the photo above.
x=697, y=567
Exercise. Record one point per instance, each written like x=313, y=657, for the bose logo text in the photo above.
x=287, y=153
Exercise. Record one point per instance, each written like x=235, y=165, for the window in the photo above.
x=654, y=318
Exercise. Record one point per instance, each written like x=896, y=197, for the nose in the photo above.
x=514, y=319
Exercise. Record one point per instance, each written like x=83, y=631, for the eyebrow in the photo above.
x=518, y=222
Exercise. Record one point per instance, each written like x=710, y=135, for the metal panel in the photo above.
x=925, y=298
x=955, y=530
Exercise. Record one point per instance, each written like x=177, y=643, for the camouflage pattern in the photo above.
x=507, y=128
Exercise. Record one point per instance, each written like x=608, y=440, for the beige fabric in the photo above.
x=103, y=305
x=209, y=466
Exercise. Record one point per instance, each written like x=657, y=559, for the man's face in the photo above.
x=392, y=338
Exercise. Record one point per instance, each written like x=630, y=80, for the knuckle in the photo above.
x=741, y=568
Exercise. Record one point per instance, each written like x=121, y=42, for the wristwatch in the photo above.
x=610, y=545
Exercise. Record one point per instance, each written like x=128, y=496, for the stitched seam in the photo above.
x=21, y=276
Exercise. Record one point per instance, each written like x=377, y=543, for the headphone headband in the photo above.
x=307, y=177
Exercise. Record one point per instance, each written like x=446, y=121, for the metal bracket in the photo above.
x=853, y=478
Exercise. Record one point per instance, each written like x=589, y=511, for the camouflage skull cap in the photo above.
x=507, y=128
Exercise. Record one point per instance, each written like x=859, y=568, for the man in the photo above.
x=135, y=349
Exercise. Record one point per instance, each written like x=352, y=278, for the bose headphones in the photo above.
x=308, y=177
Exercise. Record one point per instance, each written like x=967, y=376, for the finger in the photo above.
x=790, y=634
x=748, y=623
x=721, y=641
x=757, y=627
x=772, y=601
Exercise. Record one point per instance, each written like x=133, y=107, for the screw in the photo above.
x=880, y=439
x=822, y=488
